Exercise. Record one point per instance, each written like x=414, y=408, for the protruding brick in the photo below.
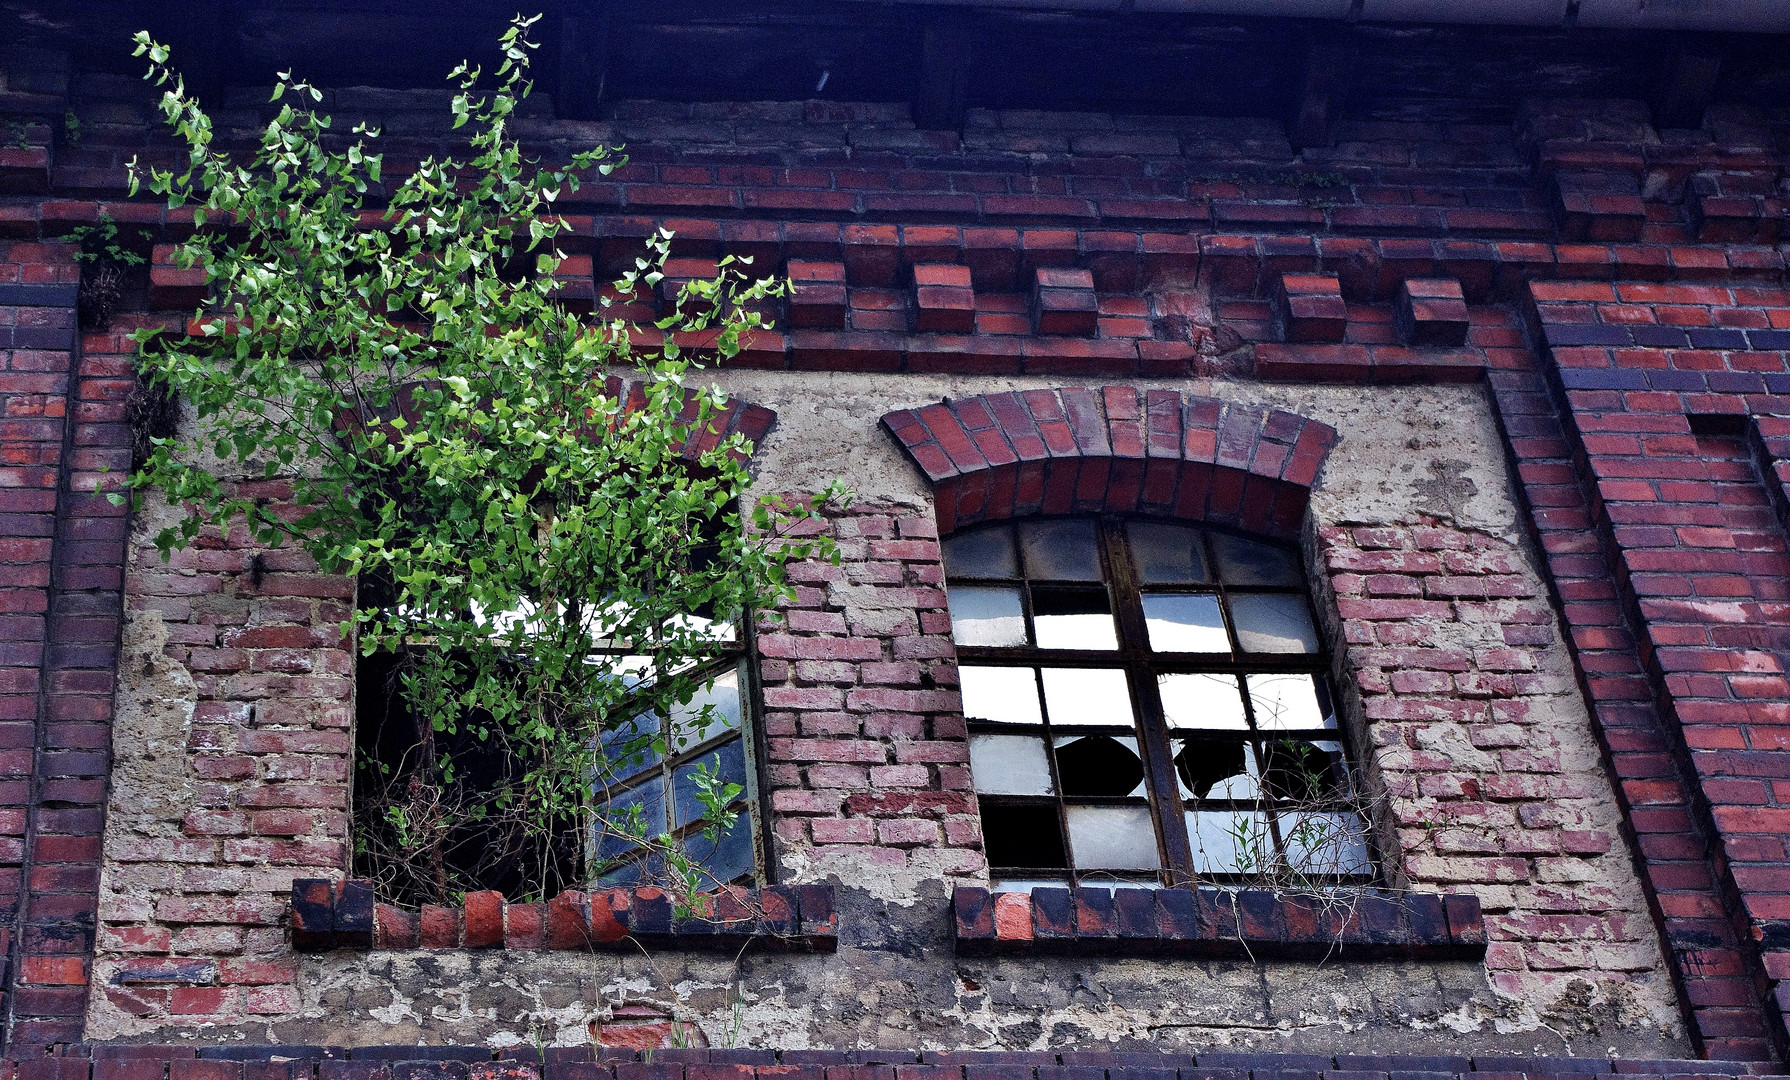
x=1431, y=311
x=944, y=302
x=484, y=919
x=819, y=301
x=1309, y=308
x=1063, y=301
x=313, y=914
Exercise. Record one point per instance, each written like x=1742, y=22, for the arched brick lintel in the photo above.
x=1112, y=448
x=733, y=416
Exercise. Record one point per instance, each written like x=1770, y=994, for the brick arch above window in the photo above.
x=1114, y=449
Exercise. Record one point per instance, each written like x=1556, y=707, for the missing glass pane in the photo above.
x=1010, y=765
x=1000, y=695
x=1273, y=623
x=1022, y=836
x=984, y=553
x=1073, y=618
x=986, y=615
x=1060, y=550
x=1112, y=838
x=1230, y=841
x=1202, y=701
x=1289, y=703
x=1321, y=843
x=1295, y=771
x=1249, y=562
x=1214, y=769
x=1185, y=622
x=1165, y=554
x=1099, y=765
x=1087, y=696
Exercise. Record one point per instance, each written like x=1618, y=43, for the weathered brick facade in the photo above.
x=1509, y=375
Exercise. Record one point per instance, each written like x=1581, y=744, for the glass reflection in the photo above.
x=1324, y=842
x=1202, y=701
x=986, y=615
x=1001, y=695
x=1073, y=619
x=1010, y=765
x=1229, y=841
x=1060, y=550
x=1249, y=562
x=983, y=553
x=1273, y=623
x=1165, y=554
x=1112, y=838
x=1185, y=622
x=1087, y=696
x=1288, y=703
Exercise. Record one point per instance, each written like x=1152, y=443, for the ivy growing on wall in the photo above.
x=384, y=379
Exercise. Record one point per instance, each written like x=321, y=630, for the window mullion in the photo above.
x=1158, y=757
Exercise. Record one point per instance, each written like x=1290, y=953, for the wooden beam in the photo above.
x=1686, y=90
x=944, y=71
x=1324, y=83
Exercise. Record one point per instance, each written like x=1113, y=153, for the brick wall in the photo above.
x=1065, y=247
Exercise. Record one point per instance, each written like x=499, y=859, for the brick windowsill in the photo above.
x=1216, y=922
x=328, y=915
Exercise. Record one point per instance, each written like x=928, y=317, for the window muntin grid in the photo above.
x=634, y=783
x=1147, y=701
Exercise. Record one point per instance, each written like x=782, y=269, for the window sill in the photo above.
x=343, y=915
x=1218, y=923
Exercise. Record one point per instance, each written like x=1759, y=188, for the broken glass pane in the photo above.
x=1273, y=623
x=1325, y=842
x=727, y=761
x=1087, y=696
x=1202, y=701
x=1303, y=772
x=721, y=698
x=1113, y=838
x=724, y=858
x=1288, y=703
x=1166, y=554
x=1250, y=562
x=1099, y=765
x=1211, y=769
x=1073, y=618
x=1230, y=842
x=984, y=553
x=621, y=822
x=1023, y=836
x=1060, y=550
x=986, y=615
x=1185, y=622
x=1010, y=765
x=1003, y=695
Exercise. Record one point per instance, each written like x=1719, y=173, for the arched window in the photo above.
x=1148, y=701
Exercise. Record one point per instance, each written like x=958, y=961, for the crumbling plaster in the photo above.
x=1407, y=455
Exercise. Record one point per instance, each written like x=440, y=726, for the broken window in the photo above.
x=1147, y=701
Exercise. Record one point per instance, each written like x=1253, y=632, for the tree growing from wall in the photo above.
x=384, y=378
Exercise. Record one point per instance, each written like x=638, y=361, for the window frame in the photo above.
x=1154, y=736
x=740, y=654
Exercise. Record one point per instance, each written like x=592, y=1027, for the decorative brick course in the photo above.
x=1215, y=922
x=341, y=914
